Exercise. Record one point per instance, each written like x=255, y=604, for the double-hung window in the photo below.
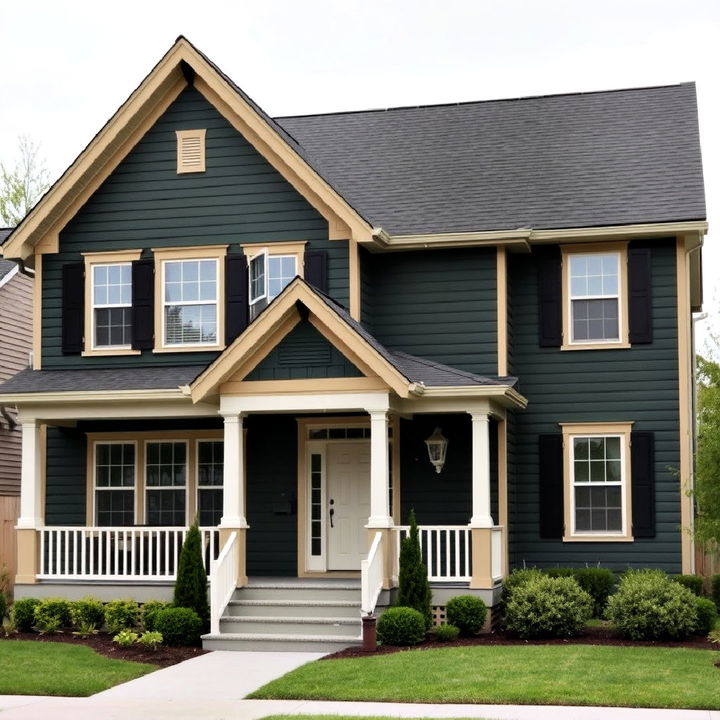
x=114, y=474
x=209, y=482
x=165, y=483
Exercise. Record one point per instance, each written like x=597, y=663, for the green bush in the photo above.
x=649, y=606
x=446, y=633
x=121, y=615
x=149, y=610
x=87, y=612
x=715, y=590
x=125, y=638
x=150, y=639
x=191, y=582
x=467, y=613
x=401, y=626
x=179, y=626
x=52, y=615
x=560, y=572
x=413, y=585
x=694, y=583
x=23, y=613
x=547, y=607
x=707, y=615
x=598, y=583
x=3, y=605
x=517, y=578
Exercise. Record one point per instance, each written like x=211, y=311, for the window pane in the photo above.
x=114, y=507
x=597, y=448
x=166, y=507
x=210, y=507
x=210, y=463
x=190, y=324
x=257, y=277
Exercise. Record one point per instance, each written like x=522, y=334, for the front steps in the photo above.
x=290, y=615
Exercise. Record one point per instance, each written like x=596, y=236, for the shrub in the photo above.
x=149, y=610
x=560, y=572
x=125, y=638
x=694, y=583
x=707, y=615
x=3, y=605
x=401, y=626
x=85, y=629
x=87, y=612
x=8, y=627
x=649, y=606
x=52, y=615
x=598, y=583
x=191, y=583
x=715, y=590
x=413, y=585
x=548, y=607
x=467, y=613
x=517, y=578
x=179, y=626
x=446, y=633
x=150, y=639
x=23, y=613
x=121, y=615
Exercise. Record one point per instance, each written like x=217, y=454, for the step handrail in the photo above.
x=223, y=581
x=371, y=576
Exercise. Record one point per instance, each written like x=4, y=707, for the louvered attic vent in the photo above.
x=190, y=151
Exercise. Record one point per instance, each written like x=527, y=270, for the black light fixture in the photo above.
x=437, y=449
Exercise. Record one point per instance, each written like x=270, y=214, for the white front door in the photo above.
x=348, y=504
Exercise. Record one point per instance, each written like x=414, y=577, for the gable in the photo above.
x=301, y=355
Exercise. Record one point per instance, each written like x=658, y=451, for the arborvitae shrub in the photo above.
x=413, y=585
x=466, y=612
x=179, y=626
x=23, y=613
x=694, y=583
x=121, y=615
x=401, y=626
x=191, y=582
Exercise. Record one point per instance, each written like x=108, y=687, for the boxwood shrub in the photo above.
x=150, y=610
x=401, y=626
x=467, y=613
x=547, y=607
x=179, y=626
x=598, y=583
x=87, y=612
x=707, y=615
x=694, y=583
x=23, y=613
x=52, y=614
x=121, y=615
x=650, y=606
x=446, y=633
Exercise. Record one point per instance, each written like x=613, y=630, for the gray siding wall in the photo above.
x=638, y=384
x=241, y=198
x=438, y=304
x=65, y=499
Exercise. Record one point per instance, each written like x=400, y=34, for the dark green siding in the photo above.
x=272, y=495
x=241, y=198
x=638, y=384
x=304, y=353
x=66, y=474
x=439, y=305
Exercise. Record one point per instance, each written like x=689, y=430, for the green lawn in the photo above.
x=514, y=674
x=34, y=668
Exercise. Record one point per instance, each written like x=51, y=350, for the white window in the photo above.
x=190, y=302
x=281, y=270
x=165, y=483
x=595, y=297
x=268, y=277
x=111, y=294
x=114, y=483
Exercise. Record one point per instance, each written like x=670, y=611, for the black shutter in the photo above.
x=640, y=294
x=236, y=296
x=143, y=304
x=316, y=269
x=550, y=455
x=643, y=484
x=73, y=308
x=550, y=296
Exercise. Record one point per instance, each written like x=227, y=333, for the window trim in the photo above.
x=620, y=249
x=196, y=252
x=598, y=429
x=285, y=249
x=93, y=473
x=114, y=257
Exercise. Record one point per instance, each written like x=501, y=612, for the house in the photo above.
x=15, y=344
x=298, y=329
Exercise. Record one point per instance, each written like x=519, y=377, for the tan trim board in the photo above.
x=37, y=314
x=395, y=511
x=191, y=252
x=111, y=256
x=190, y=151
x=277, y=248
x=502, y=317
x=503, y=513
x=317, y=385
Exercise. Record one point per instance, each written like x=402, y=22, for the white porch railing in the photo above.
x=117, y=553
x=371, y=576
x=223, y=580
x=445, y=550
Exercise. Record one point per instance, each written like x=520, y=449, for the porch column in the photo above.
x=30, y=519
x=233, y=518
x=481, y=522
x=380, y=519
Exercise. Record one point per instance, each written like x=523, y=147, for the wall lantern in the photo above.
x=437, y=449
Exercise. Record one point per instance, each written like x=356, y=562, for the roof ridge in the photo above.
x=544, y=96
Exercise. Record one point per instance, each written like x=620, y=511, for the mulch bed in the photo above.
x=102, y=643
x=592, y=636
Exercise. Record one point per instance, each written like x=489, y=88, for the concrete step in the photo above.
x=309, y=626
x=278, y=642
x=314, y=590
x=294, y=608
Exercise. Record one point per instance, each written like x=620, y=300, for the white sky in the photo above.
x=67, y=66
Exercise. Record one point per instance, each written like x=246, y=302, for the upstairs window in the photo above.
x=112, y=305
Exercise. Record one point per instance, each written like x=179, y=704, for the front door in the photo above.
x=348, y=504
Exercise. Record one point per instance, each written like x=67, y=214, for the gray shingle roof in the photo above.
x=601, y=158
x=5, y=267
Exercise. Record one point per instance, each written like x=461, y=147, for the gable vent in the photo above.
x=190, y=151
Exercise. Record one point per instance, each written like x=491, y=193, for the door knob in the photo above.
x=332, y=512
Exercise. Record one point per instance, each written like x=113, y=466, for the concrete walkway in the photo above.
x=212, y=686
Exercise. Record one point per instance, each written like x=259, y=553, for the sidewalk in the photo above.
x=212, y=686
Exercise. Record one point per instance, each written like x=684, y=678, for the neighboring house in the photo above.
x=261, y=323
x=15, y=346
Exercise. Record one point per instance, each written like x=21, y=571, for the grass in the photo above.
x=33, y=668
x=514, y=674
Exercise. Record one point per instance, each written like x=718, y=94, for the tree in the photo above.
x=22, y=186
x=191, y=579
x=413, y=585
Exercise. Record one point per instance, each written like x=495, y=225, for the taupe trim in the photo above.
x=502, y=317
x=355, y=281
x=316, y=385
x=503, y=512
x=37, y=315
x=502, y=393
x=190, y=151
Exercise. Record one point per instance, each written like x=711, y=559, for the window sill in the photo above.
x=109, y=352
x=190, y=348
x=598, y=538
x=597, y=346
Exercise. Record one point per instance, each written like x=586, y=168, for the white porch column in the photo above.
x=379, y=471
x=234, y=473
x=30, y=480
x=481, y=517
